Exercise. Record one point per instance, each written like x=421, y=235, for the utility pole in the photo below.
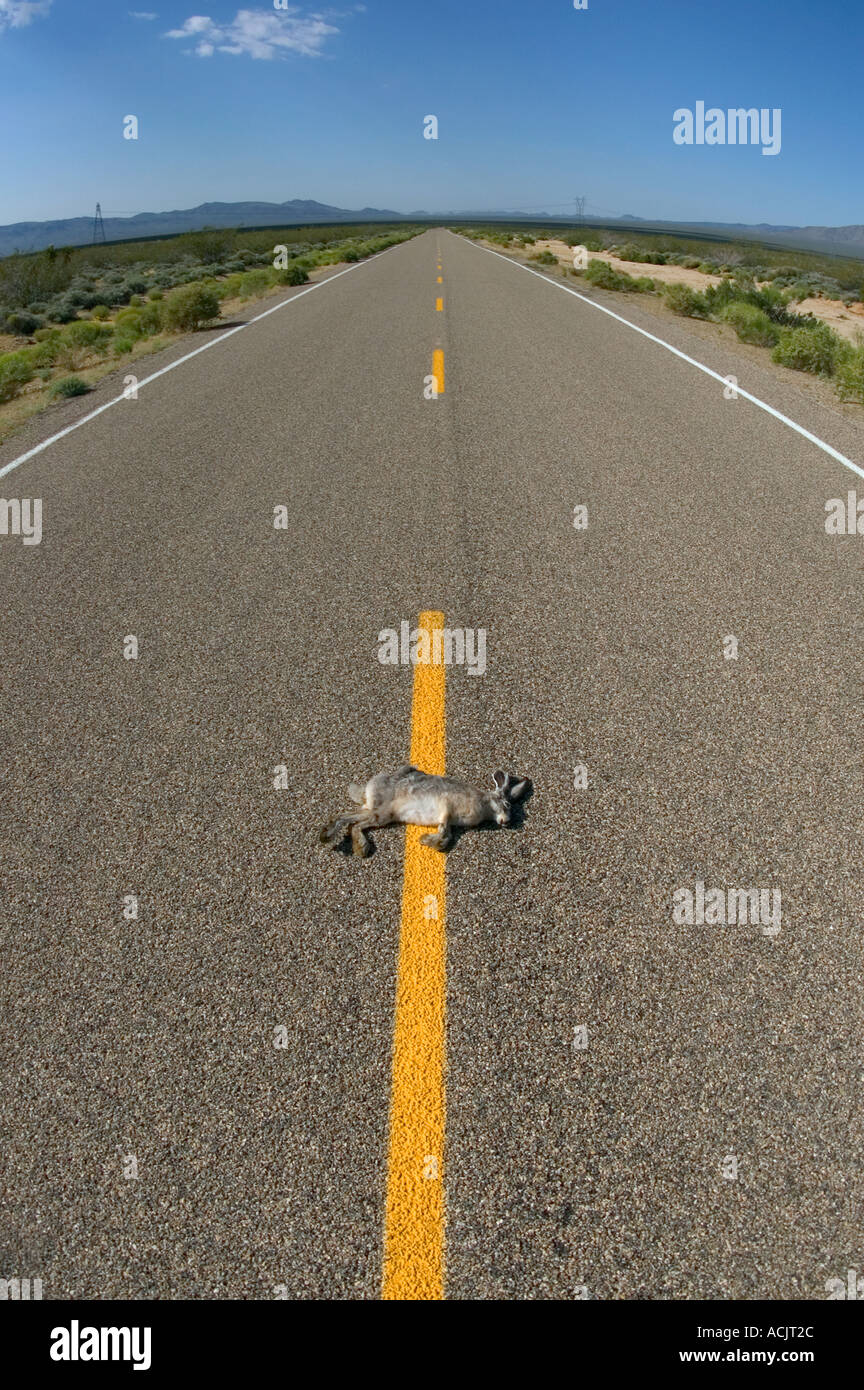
x=98, y=225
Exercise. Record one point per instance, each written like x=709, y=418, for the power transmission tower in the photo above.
x=98, y=225
x=580, y=210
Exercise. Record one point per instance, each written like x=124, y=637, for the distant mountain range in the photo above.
x=78, y=231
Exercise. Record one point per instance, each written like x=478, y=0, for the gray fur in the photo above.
x=411, y=797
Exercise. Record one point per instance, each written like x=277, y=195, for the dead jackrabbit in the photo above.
x=411, y=797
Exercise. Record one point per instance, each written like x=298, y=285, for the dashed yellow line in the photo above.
x=438, y=370
x=440, y=280
x=439, y=304
x=416, y=1214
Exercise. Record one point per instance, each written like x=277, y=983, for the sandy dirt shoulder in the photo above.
x=845, y=319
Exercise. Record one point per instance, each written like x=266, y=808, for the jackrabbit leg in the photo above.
x=355, y=823
x=443, y=840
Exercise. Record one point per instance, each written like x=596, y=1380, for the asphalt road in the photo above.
x=568, y=1169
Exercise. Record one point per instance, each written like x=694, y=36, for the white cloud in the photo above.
x=257, y=33
x=14, y=14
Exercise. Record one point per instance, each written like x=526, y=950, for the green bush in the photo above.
x=231, y=287
x=682, y=299
x=61, y=311
x=810, y=349
x=297, y=275
x=121, y=346
x=128, y=324
x=15, y=372
x=151, y=318
x=23, y=324
x=44, y=353
x=156, y=294
x=751, y=324
x=191, y=308
x=85, y=333
x=256, y=281
x=601, y=273
x=70, y=386
x=632, y=252
x=850, y=376
x=100, y=311
x=544, y=258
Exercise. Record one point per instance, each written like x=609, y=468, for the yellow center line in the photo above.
x=438, y=369
x=439, y=304
x=415, y=1216
x=440, y=279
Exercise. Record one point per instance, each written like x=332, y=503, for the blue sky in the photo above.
x=536, y=103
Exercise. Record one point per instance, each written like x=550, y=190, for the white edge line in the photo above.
x=37, y=448
x=739, y=390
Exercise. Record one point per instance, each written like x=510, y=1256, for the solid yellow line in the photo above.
x=439, y=304
x=415, y=1217
x=438, y=369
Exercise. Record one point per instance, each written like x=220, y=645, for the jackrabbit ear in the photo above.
x=500, y=780
x=518, y=789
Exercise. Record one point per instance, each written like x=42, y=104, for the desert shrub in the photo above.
x=706, y=268
x=39, y=308
x=22, y=323
x=544, y=258
x=601, y=273
x=231, y=287
x=127, y=324
x=255, y=281
x=296, y=274
x=751, y=324
x=45, y=353
x=681, y=299
x=816, y=348
x=79, y=297
x=151, y=317
x=850, y=376
x=690, y=262
x=70, y=386
x=156, y=294
x=121, y=346
x=45, y=335
x=61, y=311
x=100, y=311
x=643, y=284
x=25, y=278
x=351, y=254
x=632, y=252
x=191, y=308
x=86, y=334
x=135, y=301
x=15, y=371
